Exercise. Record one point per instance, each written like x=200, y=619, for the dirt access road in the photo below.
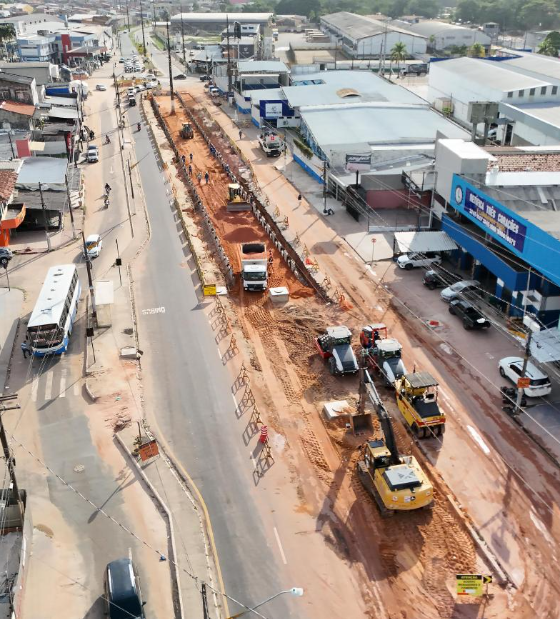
x=415, y=553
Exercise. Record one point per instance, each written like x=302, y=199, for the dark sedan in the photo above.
x=472, y=318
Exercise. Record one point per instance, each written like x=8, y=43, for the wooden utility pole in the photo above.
x=45, y=218
x=90, y=279
x=10, y=461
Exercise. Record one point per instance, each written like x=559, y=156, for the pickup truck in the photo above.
x=472, y=318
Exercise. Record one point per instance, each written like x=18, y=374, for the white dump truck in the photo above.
x=271, y=144
x=254, y=266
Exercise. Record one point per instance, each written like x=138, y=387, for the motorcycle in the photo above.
x=139, y=126
x=107, y=140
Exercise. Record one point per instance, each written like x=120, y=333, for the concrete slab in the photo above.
x=10, y=311
x=363, y=244
x=279, y=295
x=337, y=408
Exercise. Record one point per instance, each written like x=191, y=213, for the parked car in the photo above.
x=203, y=78
x=92, y=154
x=100, y=87
x=459, y=290
x=436, y=278
x=94, y=243
x=131, y=91
x=472, y=318
x=131, y=100
x=417, y=69
x=150, y=76
x=122, y=590
x=512, y=368
x=417, y=259
x=180, y=76
x=6, y=256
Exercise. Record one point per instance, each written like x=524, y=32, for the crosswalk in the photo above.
x=54, y=383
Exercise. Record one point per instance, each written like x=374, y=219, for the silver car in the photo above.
x=459, y=290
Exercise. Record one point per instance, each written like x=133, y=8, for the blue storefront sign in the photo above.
x=505, y=226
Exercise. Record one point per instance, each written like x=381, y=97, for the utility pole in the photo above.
x=229, y=76
x=170, y=69
x=127, y=16
x=6, y=449
x=130, y=177
x=143, y=35
x=45, y=218
x=183, y=35
x=205, y=613
x=70, y=207
x=325, y=181
x=531, y=325
x=90, y=279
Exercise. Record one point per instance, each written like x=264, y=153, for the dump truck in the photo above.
x=417, y=396
x=382, y=353
x=271, y=144
x=396, y=482
x=254, y=266
x=187, y=131
x=235, y=201
x=335, y=345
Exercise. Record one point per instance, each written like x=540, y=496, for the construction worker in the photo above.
x=240, y=134
x=191, y=156
x=190, y=170
x=206, y=177
x=183, y=159
x=199, y=177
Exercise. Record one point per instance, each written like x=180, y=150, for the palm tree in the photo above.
x=476, y=50
x=551, y=44
x=399, y=53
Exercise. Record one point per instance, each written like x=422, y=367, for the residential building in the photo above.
x=363, y=37
x=441, y=35
x=18, y=88
x=9, y=218
x=32, y=23
x=43, y=72
x=17, y=115
x=38, y=47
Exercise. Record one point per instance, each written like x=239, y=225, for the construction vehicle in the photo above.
x=335, y=345
x=254, y=266
x=271, y=144
x=187, y=131
x=417, y=395
x=396, y=482
x=383, y=353
x=236, y=202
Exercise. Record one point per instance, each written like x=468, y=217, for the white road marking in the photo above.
x=280, y=546
x=63, y=384
x=254, y=462
x=476, y=436
x=34, y=388
x=160, y=310
x=76, y=388
x=235, y=402
x=48, y=386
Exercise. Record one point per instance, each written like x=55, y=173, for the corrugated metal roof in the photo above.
x=429, y=241
x=535, y=63
x=47, y=170
x=221, y=18
x=262, y=66
x=432, y=27
x=361, y=27
x=488, y=73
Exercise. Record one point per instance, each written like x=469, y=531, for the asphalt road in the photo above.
x=185, y=377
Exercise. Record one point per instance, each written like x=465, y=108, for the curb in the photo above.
x=89, y=392
x=169, y=519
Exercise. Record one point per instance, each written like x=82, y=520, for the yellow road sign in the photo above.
x=472, y=585
x=209, y=289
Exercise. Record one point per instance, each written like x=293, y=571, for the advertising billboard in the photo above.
x=358, y=163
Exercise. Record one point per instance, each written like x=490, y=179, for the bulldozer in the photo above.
x=417, y=400
x=187, y=131
x=396, y=482
x=236, y=202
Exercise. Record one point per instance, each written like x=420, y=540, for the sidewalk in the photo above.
x=10, y=310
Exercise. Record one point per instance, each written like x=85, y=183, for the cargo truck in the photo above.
x=254, y=266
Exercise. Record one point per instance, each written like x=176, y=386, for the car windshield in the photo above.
x=472, y=311
x=254, y=276
x=91, y=245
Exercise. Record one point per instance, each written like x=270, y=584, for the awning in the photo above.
x=430, y=241
x=545, y=345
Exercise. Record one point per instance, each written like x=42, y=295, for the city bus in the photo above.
x=50, y=325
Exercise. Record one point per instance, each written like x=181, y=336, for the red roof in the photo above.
x=18, y=108
x=8, y=180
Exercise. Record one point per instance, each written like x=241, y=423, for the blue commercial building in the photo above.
x=502, y=207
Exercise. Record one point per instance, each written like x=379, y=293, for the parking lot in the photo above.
x=481, y=350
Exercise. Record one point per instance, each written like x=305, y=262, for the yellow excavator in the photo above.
x=396, y=482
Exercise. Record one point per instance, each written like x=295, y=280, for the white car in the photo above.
x=132, y=91
x=415, y=259
x=512, y=367
x=94, y=243
x=100, y=87
x=459, y=290
x=92, y=154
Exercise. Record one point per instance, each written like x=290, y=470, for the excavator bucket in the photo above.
x=236, y=202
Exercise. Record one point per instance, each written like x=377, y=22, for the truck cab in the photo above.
x=271, y=144
x=254, y=266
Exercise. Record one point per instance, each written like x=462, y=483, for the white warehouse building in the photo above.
x=447, y=35
x=453, y=84
x=363, y=37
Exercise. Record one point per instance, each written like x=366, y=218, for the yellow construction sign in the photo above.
x=209, y=289
x=472, y=585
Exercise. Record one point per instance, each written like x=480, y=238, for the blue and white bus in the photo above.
x=50, y=325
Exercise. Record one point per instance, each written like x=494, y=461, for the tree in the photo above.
x=399, y=53
x=425, y=8
x=476, y=50
x=458, y=50
x=551, y=44
x=432, y=41
x=468, y=11
x=538, y=13
x=298, y=7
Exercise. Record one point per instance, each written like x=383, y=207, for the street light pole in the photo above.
x=170, y=69
x=292, y=591
x=45, y=218
x=531, y=325
x=183, y=36
x=143, y=35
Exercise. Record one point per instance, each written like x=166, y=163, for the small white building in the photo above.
x=453, y=84
x=446, y=35
x=536, y=124
x=363, y=37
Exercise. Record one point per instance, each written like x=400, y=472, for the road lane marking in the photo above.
x=76, y=388
x=280, y=546
x=34, y=388
x=63, y=384
x=160, y=310
x=475, y=435
x=48, y=386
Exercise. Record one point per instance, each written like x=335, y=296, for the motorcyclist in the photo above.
x=139, y=126
x=107, y=188
x=107, y=139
